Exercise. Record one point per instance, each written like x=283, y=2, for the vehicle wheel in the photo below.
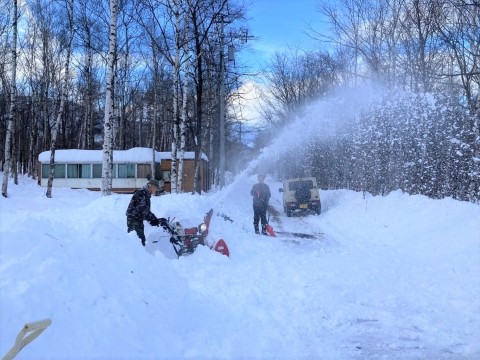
x=289, y=213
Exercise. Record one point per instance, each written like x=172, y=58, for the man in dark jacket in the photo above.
x=139, y=210
x=261, y=195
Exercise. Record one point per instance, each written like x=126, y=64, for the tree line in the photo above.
x=127, y=73
x=114, y=74
x=421, y=134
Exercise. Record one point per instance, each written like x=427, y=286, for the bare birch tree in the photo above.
x=107, y=163
x=169, y=43
x=203, y=16
x=155, y=105
x=87, y=29
x=13, y=103
x=176, y=85
x=63, y=97
x=183, y=118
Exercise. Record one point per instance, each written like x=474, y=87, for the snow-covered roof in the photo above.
x=134, y=155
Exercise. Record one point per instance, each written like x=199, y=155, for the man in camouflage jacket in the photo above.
x=139, y=210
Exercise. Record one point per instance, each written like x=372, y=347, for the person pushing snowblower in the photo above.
x=139, y=210
x=261, y=195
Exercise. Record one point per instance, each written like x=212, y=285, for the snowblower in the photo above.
x=186, y=240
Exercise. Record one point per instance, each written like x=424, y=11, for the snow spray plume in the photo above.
x=321, y=119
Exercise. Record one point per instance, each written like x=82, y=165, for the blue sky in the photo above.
x=277, y=24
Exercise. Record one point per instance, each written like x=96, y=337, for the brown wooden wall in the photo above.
x=188, y=175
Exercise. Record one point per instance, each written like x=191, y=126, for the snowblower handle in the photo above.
x=162, y=221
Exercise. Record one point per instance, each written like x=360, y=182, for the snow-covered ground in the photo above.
x=395, y=277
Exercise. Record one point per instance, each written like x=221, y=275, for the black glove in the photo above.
x=162, y=221
x=155, y=222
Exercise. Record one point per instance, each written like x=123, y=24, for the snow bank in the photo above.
x=386, y=277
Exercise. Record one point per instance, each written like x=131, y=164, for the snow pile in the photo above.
x=385, y=277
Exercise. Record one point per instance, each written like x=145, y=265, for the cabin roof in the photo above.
x=134, y=155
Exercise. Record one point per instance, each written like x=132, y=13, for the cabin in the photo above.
x=82, y=169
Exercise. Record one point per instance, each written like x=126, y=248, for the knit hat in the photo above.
x=154, y=183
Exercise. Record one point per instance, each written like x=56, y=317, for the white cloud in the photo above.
x=248, y=102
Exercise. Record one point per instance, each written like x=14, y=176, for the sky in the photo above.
x=276, y=26
x=279, y=24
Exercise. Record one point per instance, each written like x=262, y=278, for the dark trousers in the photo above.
x=137, y=225
x=259, y=215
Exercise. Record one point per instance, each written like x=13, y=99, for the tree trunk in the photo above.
x=176, y=78
x=198, y=99
x=183, y=122
x=13, y=101
x=89, y=136
x=107, y=164
x=155, y=100
x=63, y=100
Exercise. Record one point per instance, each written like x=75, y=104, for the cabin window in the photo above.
x=144, y=171
x=126, y=171
x=58, y=173
x=78, y=171
x=97, y=171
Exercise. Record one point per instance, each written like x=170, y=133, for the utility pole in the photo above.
x=222, y=107
x=243, y=36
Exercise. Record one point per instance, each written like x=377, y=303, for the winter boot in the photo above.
x=264, y=230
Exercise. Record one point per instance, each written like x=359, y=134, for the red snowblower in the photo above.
x=186, y=240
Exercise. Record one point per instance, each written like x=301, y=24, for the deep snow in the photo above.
x=395, y=277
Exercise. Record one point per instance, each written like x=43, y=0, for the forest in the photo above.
x=119, y=74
